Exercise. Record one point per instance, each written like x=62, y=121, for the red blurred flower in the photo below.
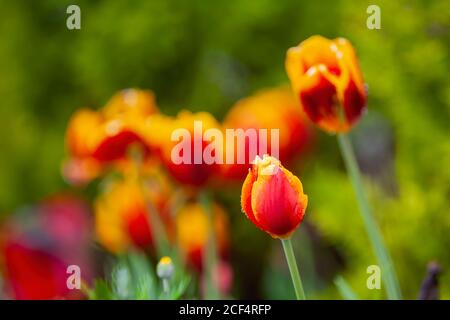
x=35, y=255
x=272, y=198
x=33, y=273
x=326, y=77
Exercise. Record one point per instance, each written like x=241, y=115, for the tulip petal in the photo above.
x=139, y=229
x=246, y=196
x=318, y=50
x=319, y=99
x=116, y=146
x=354, y=102
x=278, y=203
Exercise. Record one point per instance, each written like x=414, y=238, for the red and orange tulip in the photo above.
x=122, y=216
x=96, y=138
x=269, y=109
x=192, y=227
x=159, y=134
x=273, y=198
x=326, y=77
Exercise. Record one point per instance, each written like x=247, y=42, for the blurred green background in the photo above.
x=205, y=55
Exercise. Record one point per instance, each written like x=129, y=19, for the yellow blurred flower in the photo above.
x=192, y=229
x=122, y=212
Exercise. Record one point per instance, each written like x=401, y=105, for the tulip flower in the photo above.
x=97, y=138
x=192, y=170
x=123, y=217
x=202, y=232
x=273, y=199
x=192, y=227
x=325, y=76
x=267, y=110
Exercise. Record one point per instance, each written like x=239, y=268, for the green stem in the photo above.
x=295, y=275
x=166, y=286
x=157, y=230
x=382, y=255
x=210, y=251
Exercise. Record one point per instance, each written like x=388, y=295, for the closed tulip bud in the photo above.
x=326, y=77
x=272, y=198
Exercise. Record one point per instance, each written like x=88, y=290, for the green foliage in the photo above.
x=133, y=278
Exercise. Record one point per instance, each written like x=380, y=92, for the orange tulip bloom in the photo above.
x=192, y=232
x=159, y=134
x=269, y=109
x=97, y=138
x=122, y=216
x=272, y=198
x=326, y=77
